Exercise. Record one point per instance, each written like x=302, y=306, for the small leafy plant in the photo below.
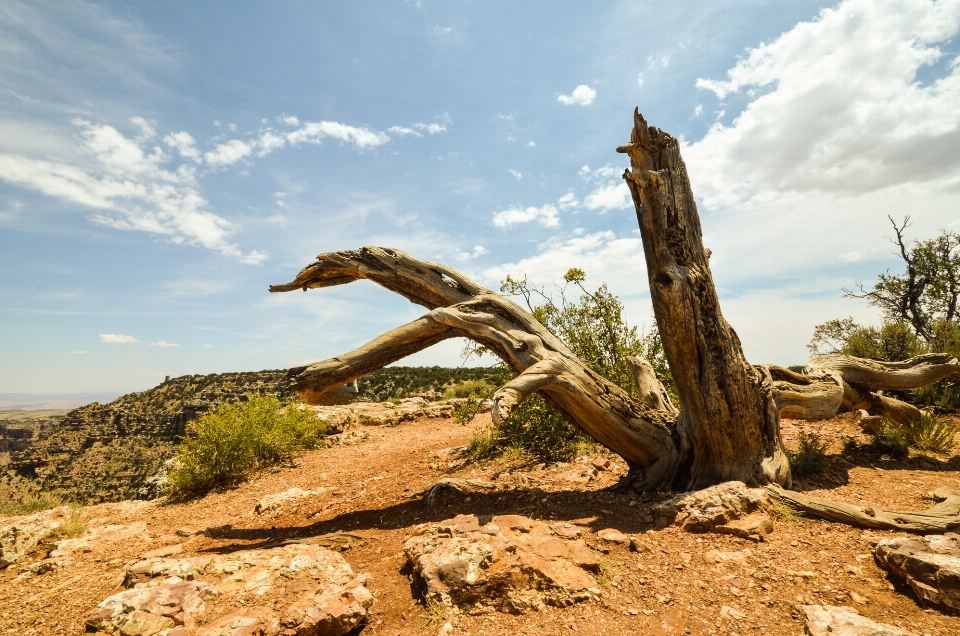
x=811, y=453
x=224, y=446
x=932, y=434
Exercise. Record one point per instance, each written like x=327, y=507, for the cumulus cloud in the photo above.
x=116, y=338
x=582, y=95
x=516, y=175
x=546, y=215
x=835, y=105
x=163, y=343
x=229, y=153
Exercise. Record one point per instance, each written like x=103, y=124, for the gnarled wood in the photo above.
x=651, y=391
x=459, y=307
x=806, y=397
x=729, y=418
x=942, y=517
x=889, y=376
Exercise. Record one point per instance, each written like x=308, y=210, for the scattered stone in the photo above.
x=830, y=620
x=511, y=564
x=565, y=530
x=637, y=545
x=738, y=558
x=46, y=565
x=19, y=537
x=856, y=598
x=165, y=551
x=580, y=475
x=754, y=526
x=612, y=535
x=601, y=463
x=731, y=613
x=930, y=565
x=706, y=510
x=275, y=502
x=299, y=589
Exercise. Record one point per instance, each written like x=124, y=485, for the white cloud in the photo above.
x=698, y=110
x=531, y=144
x=610, y=192
x=639, y=80
x=79, y=353
x=163, y=343
x=568, y=201
x=116, y=338
x=255, y=257
x=315, y=132
x=210, y=346
x=836, y=106
x=582, y=95
x=478, y=250
x=516, y=175
x=229, y=153
x=289, y=120
x=613, y=196
x=185, y=144
x=546, y=215
x=417, y=129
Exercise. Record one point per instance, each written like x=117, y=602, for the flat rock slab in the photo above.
x=293, y=590
x=709, y=509
x=20, y=534
x=930, y=565
x=830, y=620
x=510, y=564
x=290, y=498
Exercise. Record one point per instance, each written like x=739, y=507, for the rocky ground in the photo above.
x=364, y=498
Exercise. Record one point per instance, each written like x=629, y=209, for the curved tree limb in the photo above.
x=806, y=397
x=643, y=435
x=890, y=376
x=939, y=518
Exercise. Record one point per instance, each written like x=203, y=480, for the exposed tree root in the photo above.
x=941, y=517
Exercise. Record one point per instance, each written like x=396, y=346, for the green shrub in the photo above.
x=932, y=434
x=811, y=454
x=469, y=388
x=891, y=439
x=224, y=446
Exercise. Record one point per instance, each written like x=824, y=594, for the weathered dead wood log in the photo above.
x=459, y=307
x=875, y=375
x=729, y=426
x=806, y=397
x=941, y=517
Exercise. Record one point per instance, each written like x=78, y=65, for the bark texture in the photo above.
x=729, y=424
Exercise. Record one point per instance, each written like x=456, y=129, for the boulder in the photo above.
x=930, y=565
x=612, y=535
x=21, y=534
x=296, y=589
x=709, y=509
x=511, y=564
x=829, y=620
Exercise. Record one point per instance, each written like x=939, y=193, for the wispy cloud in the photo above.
x=116, y=338
x=163, y=343
x=78, y=353
x=582, y=95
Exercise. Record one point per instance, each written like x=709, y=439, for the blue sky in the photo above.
x=162, y=163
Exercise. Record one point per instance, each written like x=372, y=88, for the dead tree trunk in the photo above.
x=728, y=425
